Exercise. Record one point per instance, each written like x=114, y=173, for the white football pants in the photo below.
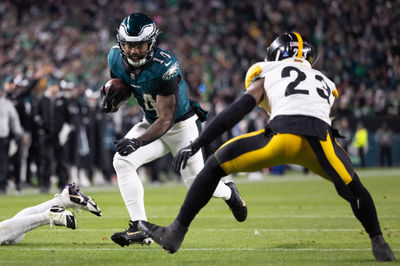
x=177, y=137
x=13, y=230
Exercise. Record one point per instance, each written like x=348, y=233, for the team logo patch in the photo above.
x=294, y=44
x=171, y=72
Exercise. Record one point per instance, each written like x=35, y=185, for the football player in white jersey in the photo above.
x=298, y=99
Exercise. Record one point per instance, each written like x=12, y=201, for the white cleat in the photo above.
x=62, y=217
x=72, y=197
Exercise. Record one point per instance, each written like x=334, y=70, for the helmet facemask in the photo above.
x=136, y=30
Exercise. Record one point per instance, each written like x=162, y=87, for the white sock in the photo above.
x=13, y=230
x=40, y=208
x=193, y=167
x=131, y=189
x=222, y=191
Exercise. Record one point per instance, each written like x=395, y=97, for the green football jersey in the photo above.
x=148, y=81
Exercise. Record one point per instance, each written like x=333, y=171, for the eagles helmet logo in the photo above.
x=137, y=29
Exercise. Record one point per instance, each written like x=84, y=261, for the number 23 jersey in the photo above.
x=293, y=87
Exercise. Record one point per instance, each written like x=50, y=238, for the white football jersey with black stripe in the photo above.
x=293, y=87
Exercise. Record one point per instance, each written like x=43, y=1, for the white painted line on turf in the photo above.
x=229, y=216
x=287, y=230
x=236, y=230
x=15, y=248
x=280, y=216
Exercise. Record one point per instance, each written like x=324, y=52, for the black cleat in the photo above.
x=169, y=238
x=72, y=197
x=236, y=203
x=131, y=236
x=381, y=249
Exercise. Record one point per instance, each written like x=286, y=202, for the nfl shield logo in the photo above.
x=133, y=76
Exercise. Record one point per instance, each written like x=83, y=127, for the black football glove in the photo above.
x=183, y=156
x=127, y=146
x=111, y=100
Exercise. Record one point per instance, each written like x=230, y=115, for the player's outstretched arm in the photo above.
x=222, y=122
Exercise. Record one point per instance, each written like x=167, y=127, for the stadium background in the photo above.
x=295, y=220
x=357, y=44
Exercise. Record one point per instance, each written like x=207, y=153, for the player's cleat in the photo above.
x=131, y=236
x=169, y=238
x=72, y=197
x=60, y=216
x=236, y=203
x=381, y=249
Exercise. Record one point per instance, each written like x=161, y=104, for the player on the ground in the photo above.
x=53, y=211
x=170, y=119
x=298, y=99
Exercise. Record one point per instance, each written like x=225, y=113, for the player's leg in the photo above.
x=71, y=197
x=201, y=191
x=249, y=152
x=13, y=230
x=131, y=186
x=40, y=208
x=337, y=166
x=126, y=167
x=179, y=137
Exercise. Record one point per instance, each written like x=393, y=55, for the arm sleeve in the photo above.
x=226, y=120
x=15, y=124
x=168, y=87
x=28, y=89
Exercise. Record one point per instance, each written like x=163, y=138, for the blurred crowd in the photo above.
x=64, y=44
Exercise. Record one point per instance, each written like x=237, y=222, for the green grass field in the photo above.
x=293, y=220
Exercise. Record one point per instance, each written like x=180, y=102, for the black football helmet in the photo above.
x=290, y=45
x=137, y=29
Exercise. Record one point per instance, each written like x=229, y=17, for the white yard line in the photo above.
x=15, y=248
x=234, y=230
x=229, y=216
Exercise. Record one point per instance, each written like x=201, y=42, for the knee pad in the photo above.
x=120, y=162
x=123, y=167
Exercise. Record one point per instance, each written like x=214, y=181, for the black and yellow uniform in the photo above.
x=274, y=146
x=300, y=140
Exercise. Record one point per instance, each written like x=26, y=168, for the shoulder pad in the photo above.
x=253, y=72
x=113, y=56
x=335, y=93
x=171, y=72
x=168, y=64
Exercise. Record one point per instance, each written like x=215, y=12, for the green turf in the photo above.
x=293, y=220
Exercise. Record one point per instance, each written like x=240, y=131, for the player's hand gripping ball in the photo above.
x=114, y=94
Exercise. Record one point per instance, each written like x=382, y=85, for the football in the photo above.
x=118, y=84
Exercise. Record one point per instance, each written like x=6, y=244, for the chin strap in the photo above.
x=142, y=61
x=138, y=63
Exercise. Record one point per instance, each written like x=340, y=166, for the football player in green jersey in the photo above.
x=170, y=119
